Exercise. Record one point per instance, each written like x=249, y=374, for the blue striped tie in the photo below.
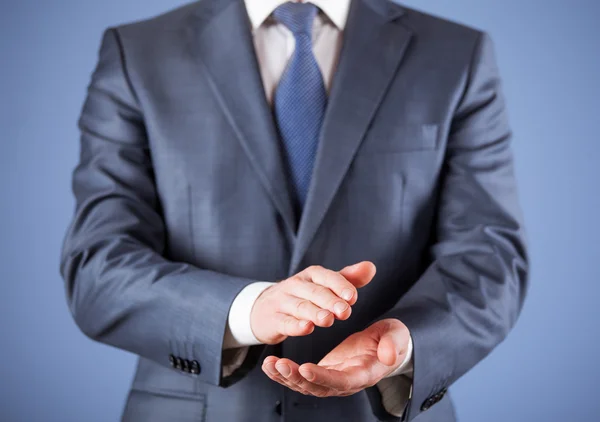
x=300, y=98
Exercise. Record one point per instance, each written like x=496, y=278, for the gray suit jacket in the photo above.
x=182, y=200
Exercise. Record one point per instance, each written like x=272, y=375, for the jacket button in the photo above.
x=195, y=367
x=185, y=367
x=278, y=407
x=172, y=361
x=178, y=363
x=427, y=404
x=436, y=398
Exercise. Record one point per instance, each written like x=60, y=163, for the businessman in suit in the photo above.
x=295, y=211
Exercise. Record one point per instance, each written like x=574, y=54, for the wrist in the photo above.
x=240, y=332
x=256, y=318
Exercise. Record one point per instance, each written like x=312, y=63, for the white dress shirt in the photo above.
x=274, y=45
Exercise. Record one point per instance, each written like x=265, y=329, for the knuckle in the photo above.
x=290, y=322
x=290, y=282
x=301, y=304
x=341, y=283
x=277, y=305
x=285, y=325
x=318, y=290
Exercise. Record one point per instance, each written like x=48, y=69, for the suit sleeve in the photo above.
x=471, y=294
x=120, y=288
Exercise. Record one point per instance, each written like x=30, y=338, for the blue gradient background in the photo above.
x=549, y=54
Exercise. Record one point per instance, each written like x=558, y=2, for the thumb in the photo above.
x=387, y=352
x=359, y=274
x=393, y=343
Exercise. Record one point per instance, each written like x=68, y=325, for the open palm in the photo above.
x=360, y=361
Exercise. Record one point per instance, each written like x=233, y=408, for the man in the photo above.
x=295, y=212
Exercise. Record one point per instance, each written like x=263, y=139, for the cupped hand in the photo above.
x=360, y=361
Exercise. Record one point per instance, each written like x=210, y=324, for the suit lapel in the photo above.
x=221, y=40
x=373, y=46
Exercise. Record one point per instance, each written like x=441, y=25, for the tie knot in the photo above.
x=297, y=17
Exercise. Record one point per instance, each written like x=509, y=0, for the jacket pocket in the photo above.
x=145, y=406
x=403, y=137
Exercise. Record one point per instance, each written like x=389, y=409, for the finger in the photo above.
x=304, y=309
x=359, y=274
x=350, y=379
x=290, y=326
x=269, y=369
x=289, y=370
x=334, y=281
x=322, y=297
x=387, y=351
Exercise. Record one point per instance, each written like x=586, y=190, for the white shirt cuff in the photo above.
x=239, y=331
x=396, y=388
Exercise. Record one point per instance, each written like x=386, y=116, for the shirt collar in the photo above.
x=336, y=10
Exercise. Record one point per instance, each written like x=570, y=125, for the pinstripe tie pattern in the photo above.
x=300, y=98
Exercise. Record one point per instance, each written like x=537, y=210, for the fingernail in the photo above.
x=284, y=369
x=309, y=375
x=303, y=323
x=323, y=314
x=271, y=368
x=340, y=307
x=347, y=294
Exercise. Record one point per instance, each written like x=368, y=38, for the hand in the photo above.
x=360, y=361
x=315, y=296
